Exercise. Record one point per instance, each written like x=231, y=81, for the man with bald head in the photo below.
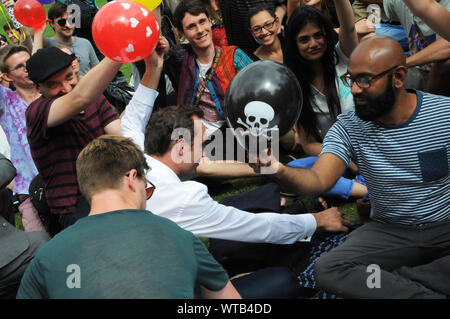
x=400, y=140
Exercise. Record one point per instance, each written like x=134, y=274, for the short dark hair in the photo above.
x=259, y=8
x=194, y=7
x=56, y=10
x=9, y=50
x=162, y=124
x=104, y=161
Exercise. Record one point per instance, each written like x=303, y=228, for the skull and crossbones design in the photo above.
x=258, y=116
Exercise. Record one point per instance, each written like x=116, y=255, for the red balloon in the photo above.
x=30, y=13
x=125, y=31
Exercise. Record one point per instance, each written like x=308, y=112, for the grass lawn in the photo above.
x=243, y=185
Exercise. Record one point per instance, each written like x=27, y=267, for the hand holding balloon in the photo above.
x=263, y=162
x=263, y=98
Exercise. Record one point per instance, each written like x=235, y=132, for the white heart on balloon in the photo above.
x=134, y=22
x=149, y=32
x=130, y=48
x=144, y=12
x=126, y=6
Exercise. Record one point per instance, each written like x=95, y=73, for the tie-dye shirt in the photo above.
x=12, y=120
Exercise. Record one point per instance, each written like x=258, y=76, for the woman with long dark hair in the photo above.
x=318, y=57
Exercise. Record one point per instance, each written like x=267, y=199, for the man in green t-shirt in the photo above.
x=121, y=250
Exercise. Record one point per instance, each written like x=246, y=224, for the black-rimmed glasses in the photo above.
x=364, y=81
x=267, y=26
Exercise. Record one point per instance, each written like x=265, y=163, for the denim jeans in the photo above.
x=394, y=31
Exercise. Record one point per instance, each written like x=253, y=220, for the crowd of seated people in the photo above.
x=81, y=161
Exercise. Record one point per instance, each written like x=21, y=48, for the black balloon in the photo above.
x=263, y=97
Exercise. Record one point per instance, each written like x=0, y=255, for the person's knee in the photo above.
x=326, y=269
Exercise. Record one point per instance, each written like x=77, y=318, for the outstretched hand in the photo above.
x=264, y=162
x=331, y=220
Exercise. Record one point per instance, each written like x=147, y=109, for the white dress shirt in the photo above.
x=188, y=203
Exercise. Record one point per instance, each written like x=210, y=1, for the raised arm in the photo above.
x=86, y=92
x=139, y=110
x=433, y=14
x=348, y=37
x=290, y=7
x=39, y=39
x=439, y=50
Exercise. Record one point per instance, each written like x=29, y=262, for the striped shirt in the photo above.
x=406, y=166
x=56, y=149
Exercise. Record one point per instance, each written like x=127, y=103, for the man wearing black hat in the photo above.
x=67, y=116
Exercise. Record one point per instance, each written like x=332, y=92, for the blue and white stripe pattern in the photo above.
x=406, y=167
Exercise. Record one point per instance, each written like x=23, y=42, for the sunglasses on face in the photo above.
x=149, y=189
x=62, y=22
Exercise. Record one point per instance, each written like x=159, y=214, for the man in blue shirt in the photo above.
x=400, y=140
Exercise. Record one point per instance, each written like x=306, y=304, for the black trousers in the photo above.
x=240, y=257
x=389, y=261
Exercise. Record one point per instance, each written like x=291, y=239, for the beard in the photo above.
x=378, y=106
